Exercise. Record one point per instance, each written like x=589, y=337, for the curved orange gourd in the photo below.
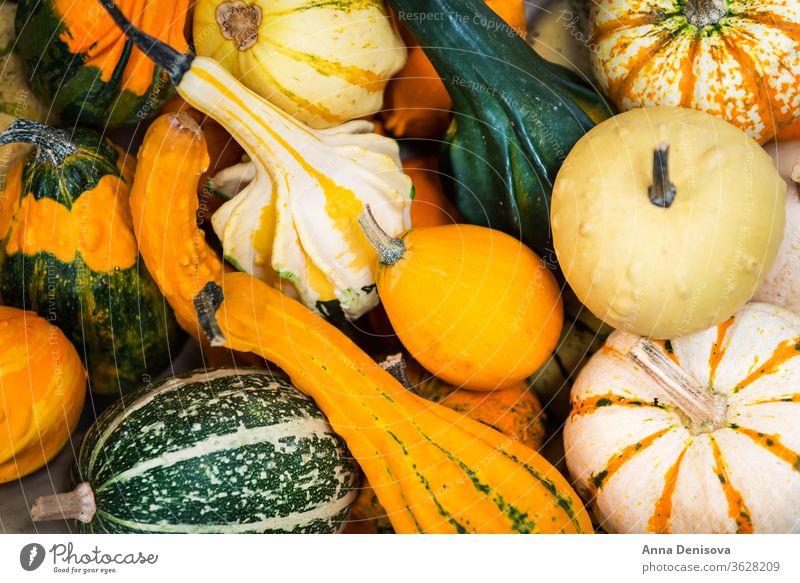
x=430, y=207
x=42, y=390
x=433, y=469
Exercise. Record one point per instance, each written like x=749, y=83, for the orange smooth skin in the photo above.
x=790, y=133
x=409, y=463
x=430, y=207
x=474, y=306
x=42, y=390
x=417, y=104
x=89, y=30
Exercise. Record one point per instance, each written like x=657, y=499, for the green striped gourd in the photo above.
x=218, y=451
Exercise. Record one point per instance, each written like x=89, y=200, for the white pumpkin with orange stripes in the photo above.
x=324, y=62
x=699, y=434
x=736, y=59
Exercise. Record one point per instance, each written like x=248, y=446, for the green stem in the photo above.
x=390, y=249
x=54, y=145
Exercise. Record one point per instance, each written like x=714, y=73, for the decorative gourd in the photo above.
x=361, y=401
x=80, y=64
x=42, y=389
x=217, y=451
x=515, y=117
x=583, y=335
x=790, y=133
x=666, y=220
x=417, y=103
x=67, y=251
x=733, y=59
x=697, y=434
x=781, y=287
x=295, y=224
x=324, y=63
x=430, y=207
x=472, y=305
x=16, y=101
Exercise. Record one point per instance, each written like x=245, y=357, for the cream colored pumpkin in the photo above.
x=323, y=62
x=666, y=268
x=736, y=59
x=782, y=284
x=715, y=450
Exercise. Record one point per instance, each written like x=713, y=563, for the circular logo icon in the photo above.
x=31, y=556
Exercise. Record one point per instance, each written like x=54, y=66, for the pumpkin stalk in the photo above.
x=704, y=410
x=662, y=192
x=396, y=366
x=175, y=63
x=390, y=249
x=78, y=505
x=703, y=13
x=54, y=145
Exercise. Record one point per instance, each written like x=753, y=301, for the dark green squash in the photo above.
x=516, y=116
x=68, y=252
x=81, y=64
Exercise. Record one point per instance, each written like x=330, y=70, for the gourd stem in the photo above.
x=174, y=62
x=396, y=366
x=78, y=505
x=704, y=410
x=390, y=249
x=54, y=145
x=703, y=13
x=662, y=192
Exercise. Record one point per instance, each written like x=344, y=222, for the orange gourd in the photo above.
x=42, y=390
x=474, y=306
x=790, y=133
x=430, y=207
x=416, y=102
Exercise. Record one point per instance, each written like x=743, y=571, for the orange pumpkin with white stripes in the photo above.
x=736, y=59
x=697, y=434
x=323, y=62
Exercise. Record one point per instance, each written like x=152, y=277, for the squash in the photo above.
x=736, y=60
x=417, y=103
x=430, y=207
x=212, y=451
x=582, y=335
x=16, y=100
x=42, y=388
x=67, y=251
x=781, y=286
x=666, y=220
x=408, y=466
x=699, y=434
x=790, y=133
x=301, y=185
x=80, y=64
x=474, y=306
x=338, y=77
x=515, y=117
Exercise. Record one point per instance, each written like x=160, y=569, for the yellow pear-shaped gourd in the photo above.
x=666, y=220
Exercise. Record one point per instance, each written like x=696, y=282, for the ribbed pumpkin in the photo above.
x=67, y=251
x=735, y=59
x=323, y=62
x=699, y=434
x=81, y=64
x=42, y=389
x=217, y=451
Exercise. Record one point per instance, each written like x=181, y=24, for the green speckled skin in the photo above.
x=219, y=451
x=516, y=116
